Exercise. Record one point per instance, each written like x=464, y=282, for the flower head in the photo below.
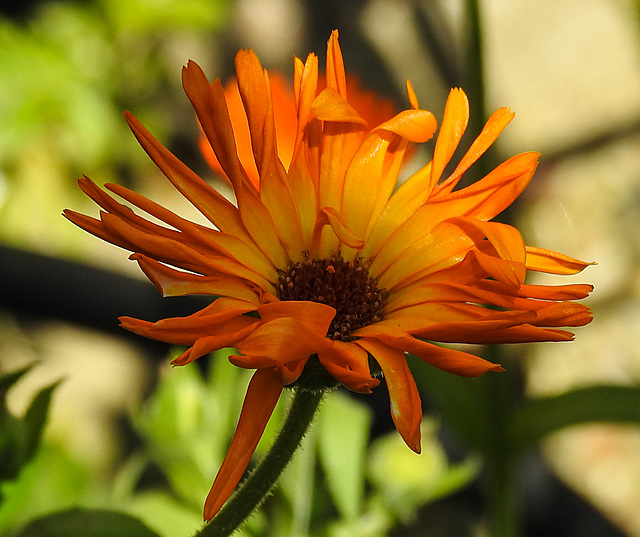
x=323, y=262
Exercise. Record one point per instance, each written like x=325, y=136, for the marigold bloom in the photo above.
x=322, y=264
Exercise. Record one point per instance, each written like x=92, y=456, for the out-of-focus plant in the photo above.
x=20, y=437
x=68, y=71
x=334, y=486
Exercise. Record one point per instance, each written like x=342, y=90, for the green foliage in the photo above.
x=407, y=481
x=189, y=420
x=68, y=72
x=81, y=523
x=343, y=434
x=20, y=437
x=536, y=418
x=490, y=416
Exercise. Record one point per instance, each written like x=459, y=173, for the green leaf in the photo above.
x=458, y=399
x=81, y=523
x=539, y=417
x=297, y=484
x=406, y=480
x=343, y=432
x=36, y=417
x=8, y=380
x=21, y=436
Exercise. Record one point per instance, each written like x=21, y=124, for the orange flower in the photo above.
x=322, y=264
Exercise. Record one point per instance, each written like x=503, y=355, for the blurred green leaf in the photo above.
x=35, y=418
x=539, y=417
x=165, y=514
x=20, y=437
x=83, y=523
x=188, y=423
x=297, y=484
x=407, y=480
x=343, y=432
x=52, y=480
x=458, y=400
x=9, y=379
x=151, y=15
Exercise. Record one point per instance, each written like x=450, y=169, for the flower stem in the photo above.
x=255, y=488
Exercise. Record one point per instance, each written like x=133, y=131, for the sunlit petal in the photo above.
x=262, y=395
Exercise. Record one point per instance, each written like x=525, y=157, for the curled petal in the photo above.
x=328, y=215
x=406, y=407
x=349, y=364
x=414, y=125
x=278, y=342
x=314, y=315
x=411, y=94
x=329, y=105
x=262, y=395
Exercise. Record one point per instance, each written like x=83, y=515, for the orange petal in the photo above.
x=262, y=395
x=543, y=260
x=305, y=88
x=488, y=197
x=406, y=407
x=454, y=123
x=330, y=106
x=563, y=314
x=373, y=174
x=336, y=77
x=275, y=193
x=214, y=206
x=279, y=341
x=240, y=133
x=328, y=215
x=402, y=260
x=315, y=316
x=205, y=238
x=450, y=360
x=556, y=292
x=172, y=282
x=210, y=105
x=404, y=202
x=416, y=126
x=492, y=129
x=411, y=94
x=228, y=337
x=222, y=315
x=349, y=364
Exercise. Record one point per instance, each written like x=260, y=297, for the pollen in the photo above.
x=343, y=285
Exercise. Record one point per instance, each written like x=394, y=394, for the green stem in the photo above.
x=503, y=510
x=475, y=66
x=255, y=488
x=502, y=393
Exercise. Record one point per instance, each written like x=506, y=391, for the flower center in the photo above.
x=345, y=286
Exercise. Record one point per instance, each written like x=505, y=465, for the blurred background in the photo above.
x=570, y=71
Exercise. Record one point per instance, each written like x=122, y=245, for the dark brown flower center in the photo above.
x=345, y=286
